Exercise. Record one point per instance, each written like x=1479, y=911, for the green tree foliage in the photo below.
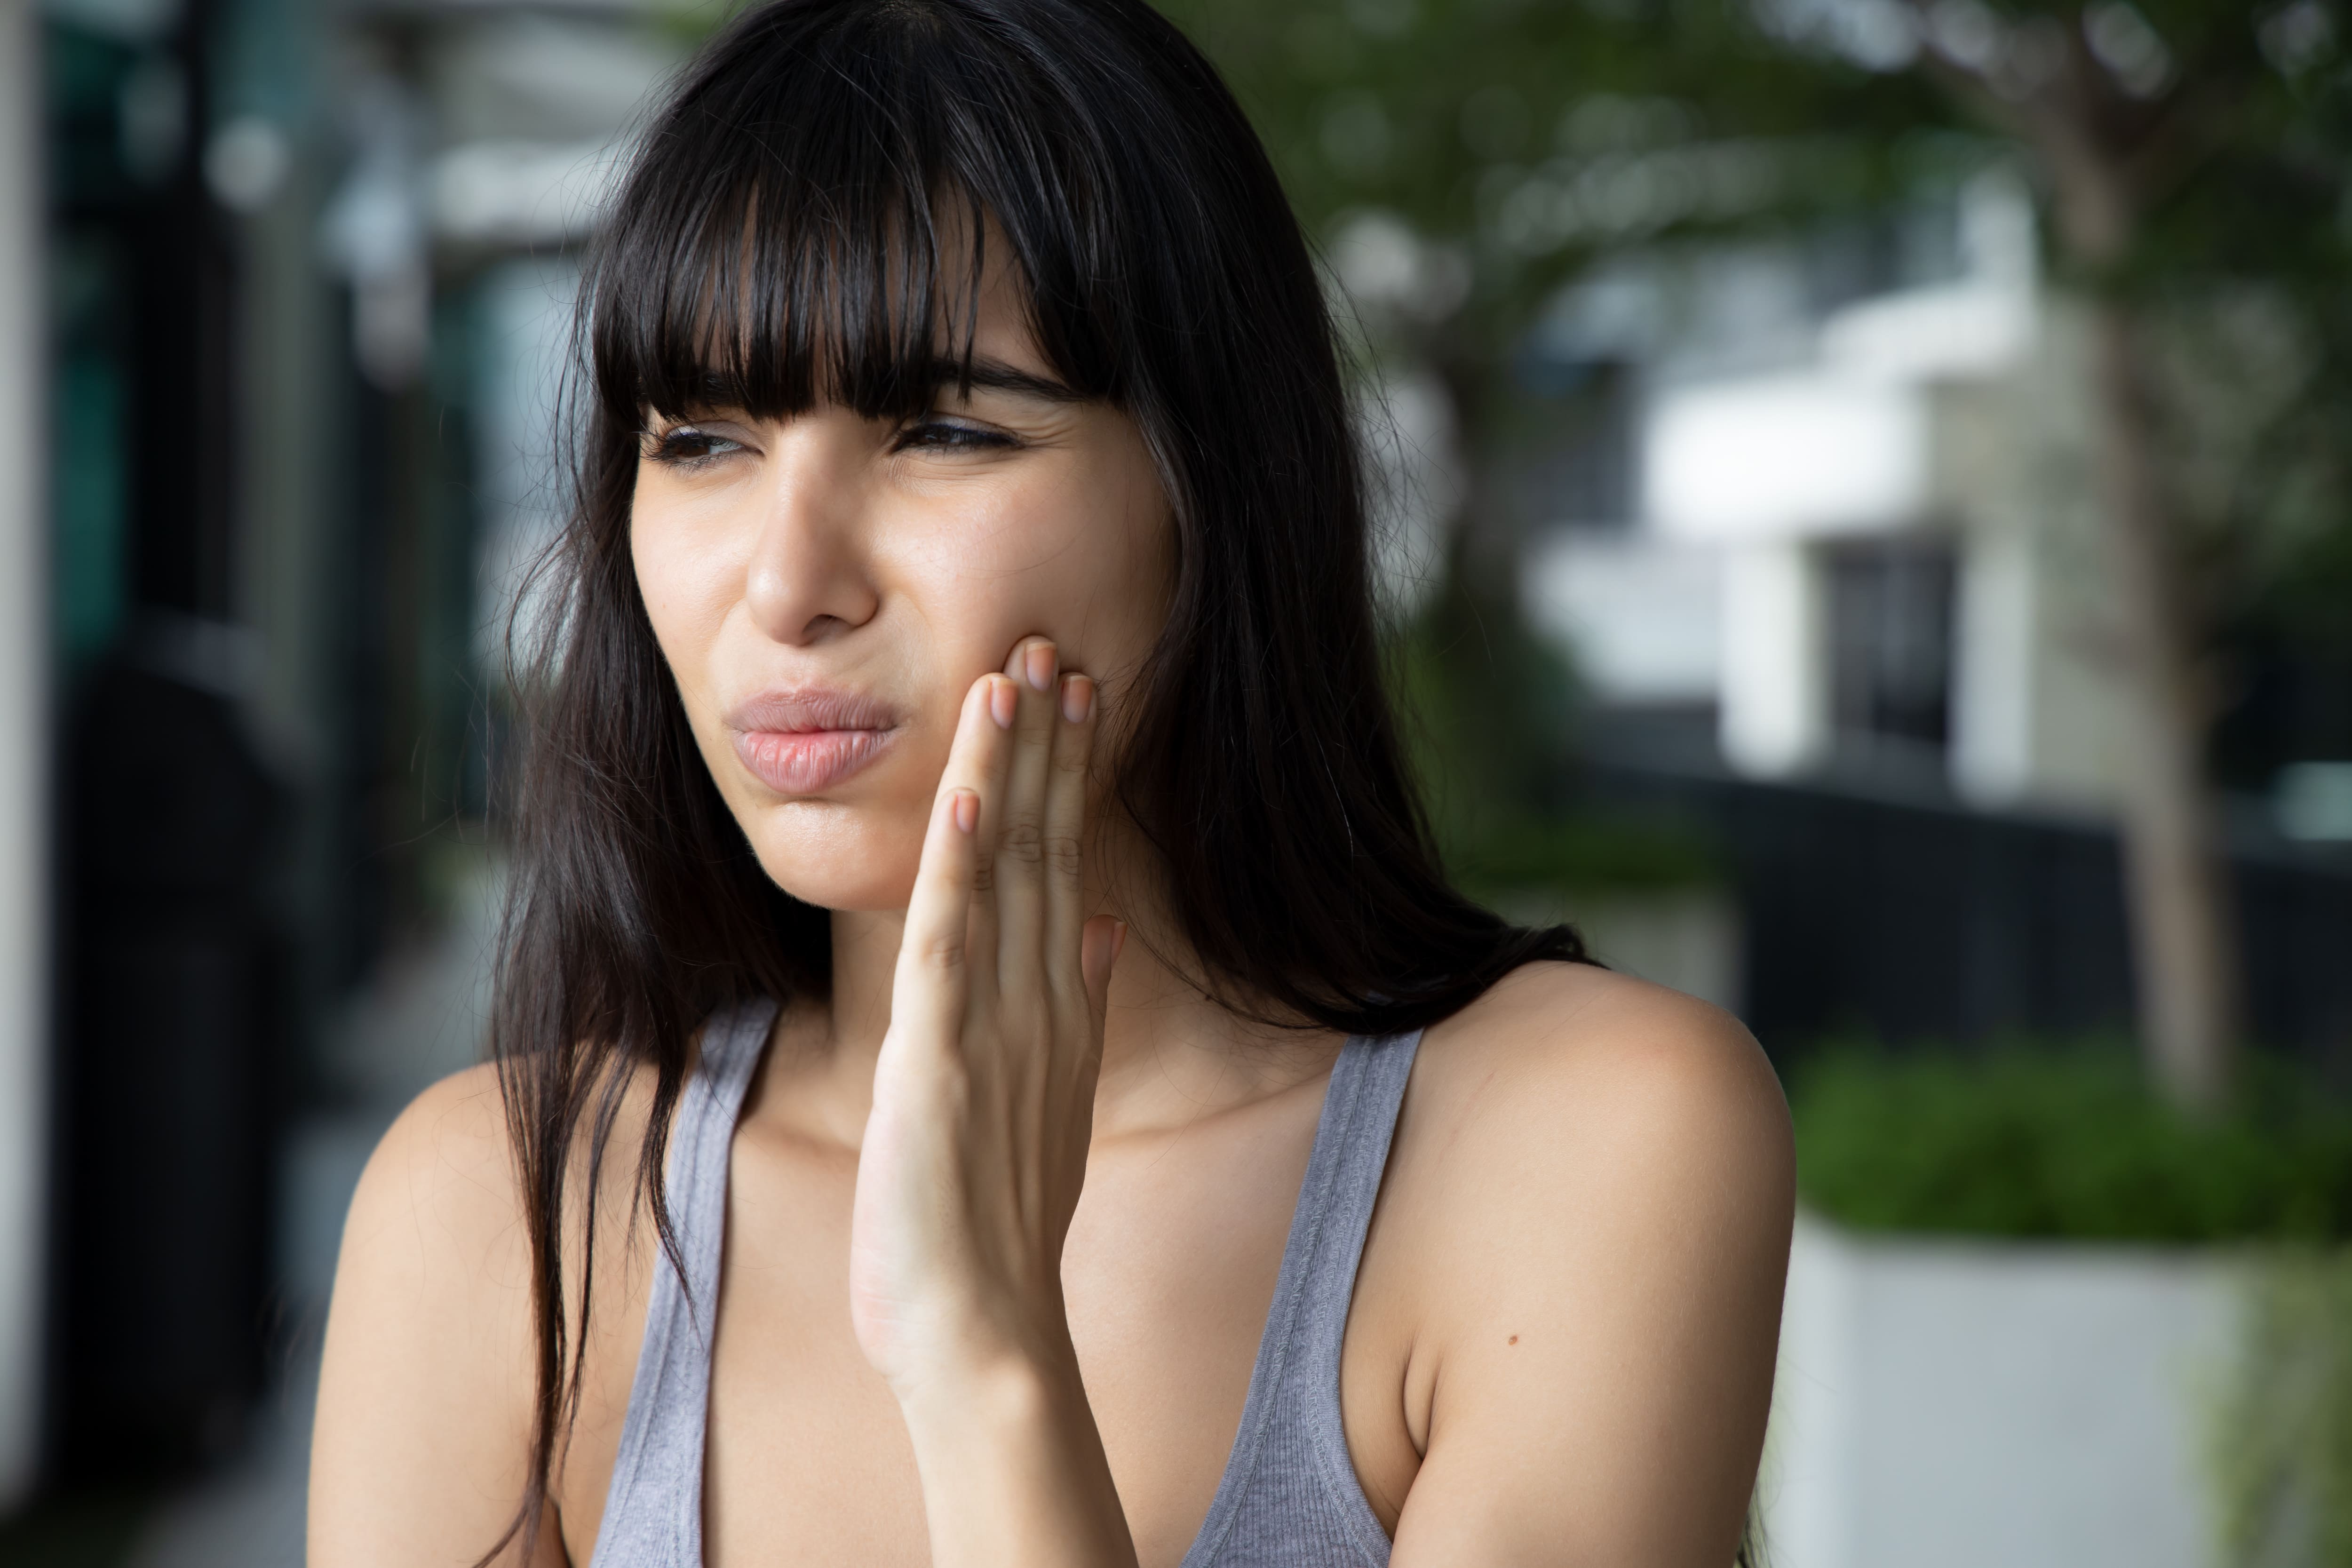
x=1524, y=136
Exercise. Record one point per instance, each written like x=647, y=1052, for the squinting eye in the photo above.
x=686, y=447
x=940, y=435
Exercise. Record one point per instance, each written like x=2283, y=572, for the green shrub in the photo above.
x=2278, y=1444
x=2061, y=1143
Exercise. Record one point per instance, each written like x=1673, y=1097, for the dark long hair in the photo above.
x=798, y=222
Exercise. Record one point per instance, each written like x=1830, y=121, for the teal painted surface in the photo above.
x=90, y=501
x=87, y=82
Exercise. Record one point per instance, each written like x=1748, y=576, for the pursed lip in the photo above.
x=802, y=741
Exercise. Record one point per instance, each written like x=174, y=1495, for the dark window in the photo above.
x=1891, y=643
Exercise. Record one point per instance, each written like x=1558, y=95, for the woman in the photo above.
x=989, y=1067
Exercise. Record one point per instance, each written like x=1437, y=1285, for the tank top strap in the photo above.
x=653, y=1508
x=1289, y=1494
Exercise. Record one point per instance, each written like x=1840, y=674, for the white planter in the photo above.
x=1948, y=1403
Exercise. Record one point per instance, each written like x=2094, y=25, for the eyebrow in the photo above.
x=998, y=376
x=991, y=374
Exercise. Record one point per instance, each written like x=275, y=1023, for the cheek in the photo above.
x=688, y=570
x=1074, y=551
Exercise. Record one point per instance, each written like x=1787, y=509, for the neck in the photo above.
x=1170, y=1055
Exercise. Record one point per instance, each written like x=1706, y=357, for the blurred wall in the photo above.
x=24, y=684
x=302, y=265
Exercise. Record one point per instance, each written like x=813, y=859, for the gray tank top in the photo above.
x=1289, y=1498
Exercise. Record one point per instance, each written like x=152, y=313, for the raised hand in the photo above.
x=983, y=1093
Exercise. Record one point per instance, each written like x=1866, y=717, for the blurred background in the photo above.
x=1866, y=531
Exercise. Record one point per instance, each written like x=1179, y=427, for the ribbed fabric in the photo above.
x=1289, y=1498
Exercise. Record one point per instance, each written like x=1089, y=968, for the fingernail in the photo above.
x=966, y=809
x=1118, y=939
x=1039, y=660
x=1077, y=699
x=1004, y=702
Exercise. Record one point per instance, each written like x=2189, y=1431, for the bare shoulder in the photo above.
x=442, y=1195
x=1558, y=1058
x=441, y=1186
x=1577, y=1121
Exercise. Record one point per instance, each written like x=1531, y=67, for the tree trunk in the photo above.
x=2175, y=872
x=2184, y=948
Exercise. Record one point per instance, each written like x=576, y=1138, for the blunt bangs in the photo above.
x=816, y=230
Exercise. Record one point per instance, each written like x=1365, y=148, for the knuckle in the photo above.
x=1065, y=854
x=1024, y=840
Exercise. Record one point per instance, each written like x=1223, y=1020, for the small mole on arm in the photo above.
x=1515, y=1339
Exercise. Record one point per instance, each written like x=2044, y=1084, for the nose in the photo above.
x=806, y=582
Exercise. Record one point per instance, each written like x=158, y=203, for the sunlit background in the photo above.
x=1866, y=531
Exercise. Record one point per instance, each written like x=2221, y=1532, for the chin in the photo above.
x=839, y=858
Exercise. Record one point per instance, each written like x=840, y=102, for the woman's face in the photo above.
x=827, y=588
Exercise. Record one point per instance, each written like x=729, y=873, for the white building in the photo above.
x=1862, y=535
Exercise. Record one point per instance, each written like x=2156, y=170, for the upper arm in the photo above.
x=420, y=1454
x=1601, y=1348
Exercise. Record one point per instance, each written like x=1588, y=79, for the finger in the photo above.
x=1064, y=832
x=1021, y=821
x=928, y=989
x=1099, y=945
x=979, y=765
